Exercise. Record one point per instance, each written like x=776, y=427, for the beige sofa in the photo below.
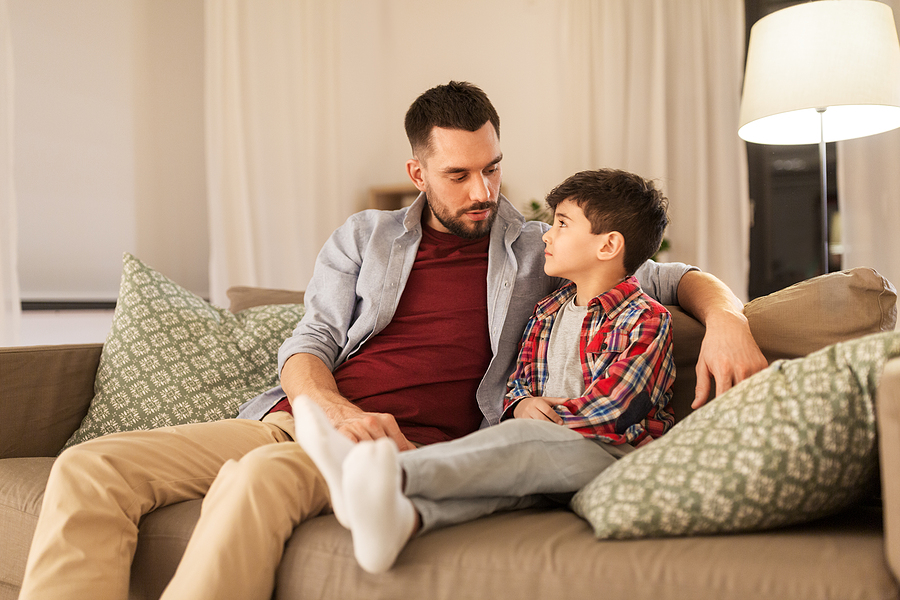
x=45, y=393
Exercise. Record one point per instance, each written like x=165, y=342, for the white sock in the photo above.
x=382, y=519
x=326, y=447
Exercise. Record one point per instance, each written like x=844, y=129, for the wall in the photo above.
x=109, y=121
x=108, y=143
x=394, y=50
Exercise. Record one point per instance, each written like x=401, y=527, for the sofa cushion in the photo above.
x=173, y=358
x=793, y=443
x=22, y=483
x=553, y=554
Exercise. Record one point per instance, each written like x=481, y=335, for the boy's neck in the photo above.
x=589, y=288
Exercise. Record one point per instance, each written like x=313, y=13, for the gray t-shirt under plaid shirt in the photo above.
x=565, y=375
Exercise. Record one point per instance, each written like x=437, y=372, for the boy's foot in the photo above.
x=382, y=519
x=326, y=447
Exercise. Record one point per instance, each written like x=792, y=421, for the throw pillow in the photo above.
x=172, y=358
x=793, y=443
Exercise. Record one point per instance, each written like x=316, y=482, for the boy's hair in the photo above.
x=457, y=105
x=614, y=200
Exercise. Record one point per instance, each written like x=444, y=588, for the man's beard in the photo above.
x=457, y=225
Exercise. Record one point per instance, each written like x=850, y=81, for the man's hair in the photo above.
x=457, y=105
x=614, y=200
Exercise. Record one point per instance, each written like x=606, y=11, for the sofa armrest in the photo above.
x=45, y=392
x=888, y=418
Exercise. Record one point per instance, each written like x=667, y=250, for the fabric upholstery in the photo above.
x=50, y=389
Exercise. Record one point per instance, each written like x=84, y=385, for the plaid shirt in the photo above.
x=626, y=358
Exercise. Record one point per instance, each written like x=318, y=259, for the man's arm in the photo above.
x=728, y=353
x=306, y=374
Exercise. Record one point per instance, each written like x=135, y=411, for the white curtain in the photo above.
x=10, y=308
x=869, y=195
x=653, y=86
x=271, y=139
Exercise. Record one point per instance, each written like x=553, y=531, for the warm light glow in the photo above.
x=840, y=55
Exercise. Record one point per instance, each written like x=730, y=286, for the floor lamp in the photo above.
x=821, y=72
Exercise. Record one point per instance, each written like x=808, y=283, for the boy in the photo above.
x=571, y=409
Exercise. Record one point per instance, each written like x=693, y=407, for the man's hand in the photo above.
x=538, y=407
x=728, y=355
x=305, y=374
x=362, y=426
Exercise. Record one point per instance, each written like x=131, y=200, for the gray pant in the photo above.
x=513, y=465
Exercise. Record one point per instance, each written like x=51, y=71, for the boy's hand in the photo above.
x=538, y=407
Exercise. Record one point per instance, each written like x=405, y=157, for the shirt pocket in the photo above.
x=605, y=348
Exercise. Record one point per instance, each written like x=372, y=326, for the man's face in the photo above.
x=460, y=176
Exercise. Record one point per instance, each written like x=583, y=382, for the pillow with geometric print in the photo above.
x=172, y=358
x=793, y=443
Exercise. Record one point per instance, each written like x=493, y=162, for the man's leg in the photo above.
x=98, y=491
x=248, y=515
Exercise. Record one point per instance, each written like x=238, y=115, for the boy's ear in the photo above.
x=414, y=170
x=611, y=246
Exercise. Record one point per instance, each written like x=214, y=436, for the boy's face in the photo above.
x=571, y=249
x=461, y=178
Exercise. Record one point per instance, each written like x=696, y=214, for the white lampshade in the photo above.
x=839, y=55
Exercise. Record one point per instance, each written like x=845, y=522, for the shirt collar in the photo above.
x=610, y=302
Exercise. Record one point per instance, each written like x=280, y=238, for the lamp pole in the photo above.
x=823, y=174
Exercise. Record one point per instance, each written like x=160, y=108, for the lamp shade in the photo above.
x=839, y=55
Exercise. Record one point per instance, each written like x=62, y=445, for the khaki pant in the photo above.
x=257, y=488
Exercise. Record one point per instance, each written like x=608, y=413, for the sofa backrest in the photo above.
x=789, y=323
x=795, y=321
x=46, y=391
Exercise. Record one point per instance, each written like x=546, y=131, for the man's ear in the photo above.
x=611, y=246
x=416, y=173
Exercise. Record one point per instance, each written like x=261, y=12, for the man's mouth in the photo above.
x=480, y=211
x=478, y=215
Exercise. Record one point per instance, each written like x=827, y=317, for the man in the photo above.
x=412, y=326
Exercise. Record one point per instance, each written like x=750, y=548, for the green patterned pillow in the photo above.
x=793, y=443
x=172, y=358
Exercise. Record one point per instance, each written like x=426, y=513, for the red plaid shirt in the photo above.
x=626, y=358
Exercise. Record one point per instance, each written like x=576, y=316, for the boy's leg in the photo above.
x=98, y=491
x=509, y=466
x=517, y=458
x=248, y=514
x=434, y=514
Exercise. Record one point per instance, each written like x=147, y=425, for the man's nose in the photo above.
x=480, y=189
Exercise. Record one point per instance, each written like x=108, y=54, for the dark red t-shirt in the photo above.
x=425, y=366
